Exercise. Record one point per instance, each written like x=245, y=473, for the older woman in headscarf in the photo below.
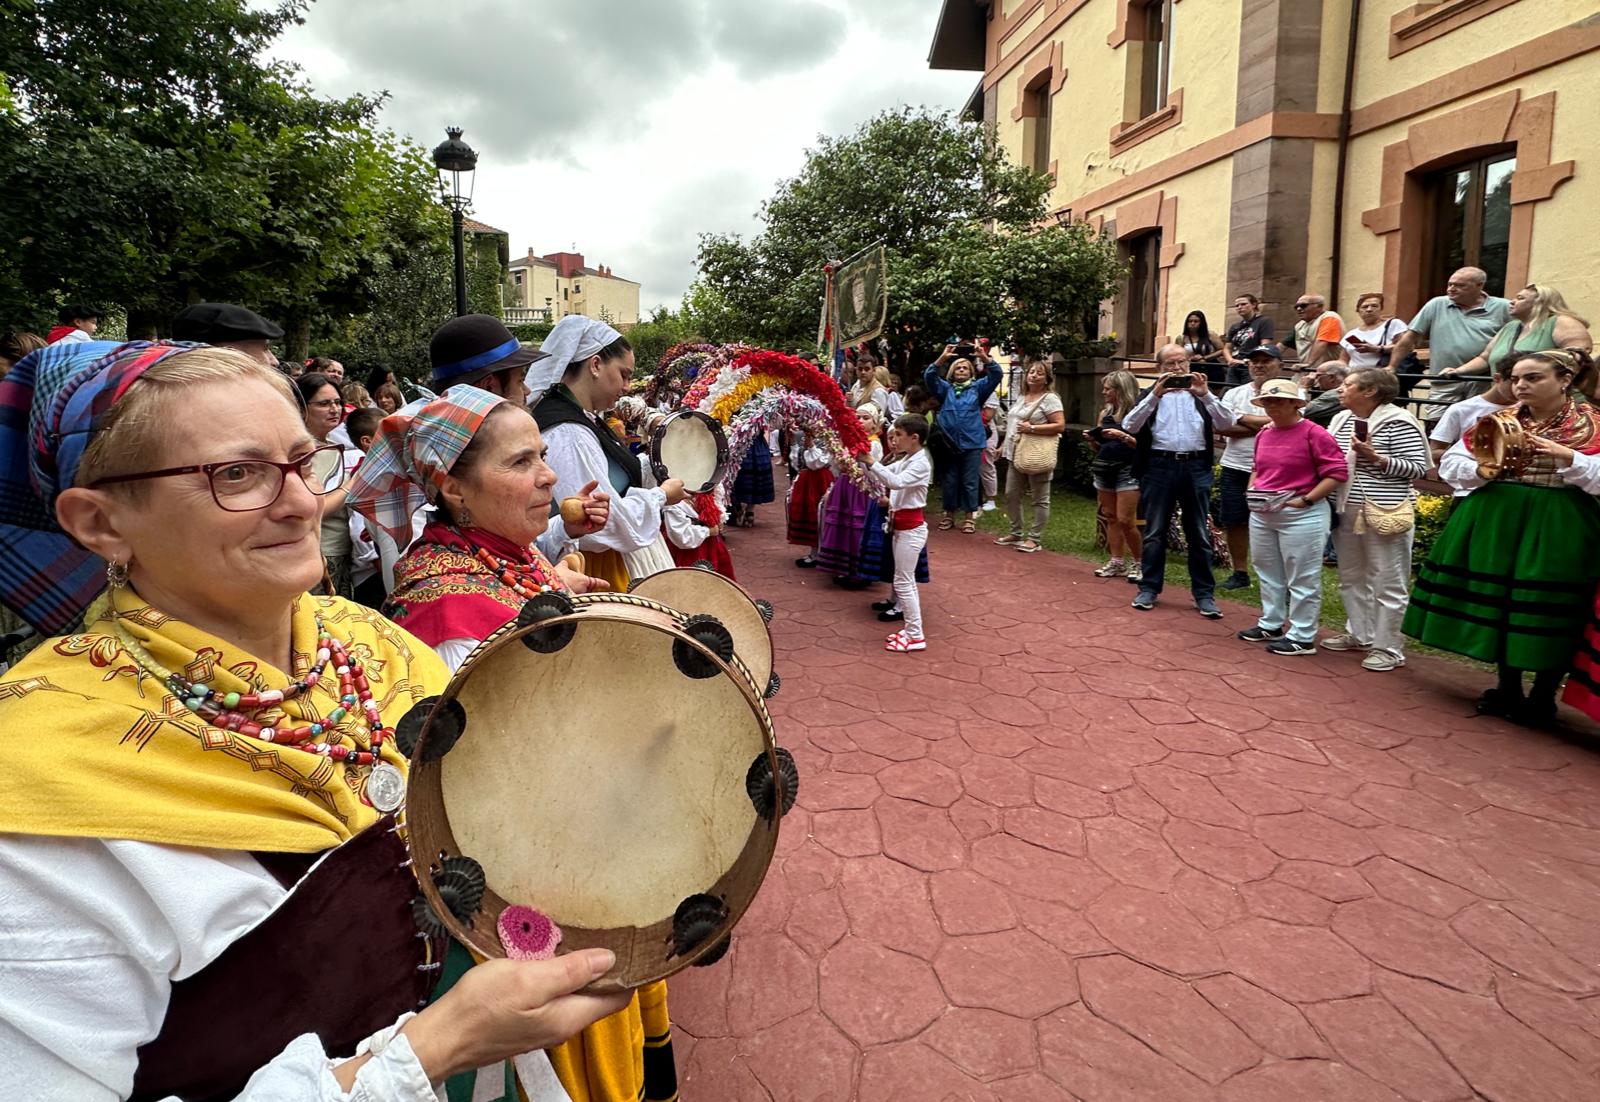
x=479, y=461
x=204, y=890
x=586, y=369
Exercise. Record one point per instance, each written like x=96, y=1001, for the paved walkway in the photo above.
x=1078, y=852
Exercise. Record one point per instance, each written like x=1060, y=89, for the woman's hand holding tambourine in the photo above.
x=674, y=490
x=587, y=512
x=1559, y=452
x=504, y=1008
x=579, y=582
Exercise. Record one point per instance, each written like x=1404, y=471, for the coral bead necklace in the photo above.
x=529, y=581
x=231, y=711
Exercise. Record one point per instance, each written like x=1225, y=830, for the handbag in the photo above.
x=1394, y=520
x=1034, y=454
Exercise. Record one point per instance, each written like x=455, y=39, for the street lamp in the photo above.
x=455, y=160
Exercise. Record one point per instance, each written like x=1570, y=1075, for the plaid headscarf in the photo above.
x=415, y=449
x=51, y=404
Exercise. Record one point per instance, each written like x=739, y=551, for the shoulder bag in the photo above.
x=1034, y=454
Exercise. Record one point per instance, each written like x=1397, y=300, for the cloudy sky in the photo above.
x=627, y=127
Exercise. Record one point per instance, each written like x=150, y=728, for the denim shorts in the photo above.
x=1111, y=476
x=1233, y=509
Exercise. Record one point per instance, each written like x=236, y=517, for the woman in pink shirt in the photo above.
x=1297, y=465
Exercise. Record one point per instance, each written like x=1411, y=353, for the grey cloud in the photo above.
x=530, y=79
x=937, y=90
x=760, y=37
x=663, y=258
x=902, y=18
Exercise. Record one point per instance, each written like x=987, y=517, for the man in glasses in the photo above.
x=1317, y=330
x=1456, y=325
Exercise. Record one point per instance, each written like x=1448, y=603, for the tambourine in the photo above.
x=702, y=590
x=600, y=772
x=1500, y=445
x=691, y=446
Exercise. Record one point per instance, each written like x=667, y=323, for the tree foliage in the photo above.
x=961, y=227
x=150, y=158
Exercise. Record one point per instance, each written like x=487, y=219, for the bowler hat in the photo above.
x=466, y=349
x=220, y=322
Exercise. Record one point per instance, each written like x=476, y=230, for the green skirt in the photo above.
x=1511, y=578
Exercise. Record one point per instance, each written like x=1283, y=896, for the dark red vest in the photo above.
x=341, y=958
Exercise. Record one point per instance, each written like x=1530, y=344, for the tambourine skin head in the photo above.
x=691, y=446
x=606, y=816
x=694, y=591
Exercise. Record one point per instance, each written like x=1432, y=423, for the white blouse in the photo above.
x=907, y=479
x=578, y=460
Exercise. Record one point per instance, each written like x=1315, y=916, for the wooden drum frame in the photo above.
x=1500, y=444
x=699, y=589
x=644, y=834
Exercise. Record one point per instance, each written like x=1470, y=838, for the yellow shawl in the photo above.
x=90, y=746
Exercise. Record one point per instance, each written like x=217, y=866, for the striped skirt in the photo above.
x=1511, y=579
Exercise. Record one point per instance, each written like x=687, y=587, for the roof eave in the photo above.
x=959, y=38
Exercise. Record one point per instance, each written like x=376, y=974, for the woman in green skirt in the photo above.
x=1511, y=579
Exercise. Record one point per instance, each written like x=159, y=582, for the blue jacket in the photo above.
x=961, y=410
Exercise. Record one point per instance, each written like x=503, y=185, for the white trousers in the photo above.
x=1286, y=549
x=1374, y=582
x=908, y=547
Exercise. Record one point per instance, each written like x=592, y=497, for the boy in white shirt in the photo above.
x=908, y=481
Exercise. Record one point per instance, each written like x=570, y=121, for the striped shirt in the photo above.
x=1402, y=443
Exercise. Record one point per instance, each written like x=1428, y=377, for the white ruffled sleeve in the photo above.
x=635, y=520
x=1459, y=467
x=684, y=530
x=1584, y=473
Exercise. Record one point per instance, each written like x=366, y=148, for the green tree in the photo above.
x=149, y=158
x=961, y=227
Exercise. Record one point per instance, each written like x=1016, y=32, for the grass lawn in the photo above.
x=1071, y=532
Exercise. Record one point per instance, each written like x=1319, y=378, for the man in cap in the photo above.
x=478, y=350
x=223, y=325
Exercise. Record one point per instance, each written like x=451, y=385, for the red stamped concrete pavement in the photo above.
x=1077, y=852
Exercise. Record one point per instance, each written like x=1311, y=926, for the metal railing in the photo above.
x=1408, y=381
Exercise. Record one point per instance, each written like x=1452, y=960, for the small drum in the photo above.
x=603, y=764
x=1500, y=445
x=692, y=590
x=692, y=446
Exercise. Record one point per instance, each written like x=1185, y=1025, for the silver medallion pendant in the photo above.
x=386, y=787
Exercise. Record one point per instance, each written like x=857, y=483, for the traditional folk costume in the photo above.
x=752, y=486
x=1512, y=577
x=583, y=449
x=805, y=495
x=844, y=528
x=908, y=480
x=688, y=527
x=185, y=905
x=454, y=588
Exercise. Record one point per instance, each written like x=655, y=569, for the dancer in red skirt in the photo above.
x=805, y=499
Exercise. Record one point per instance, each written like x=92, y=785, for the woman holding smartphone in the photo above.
x=1370, y=343
x=1386, y=449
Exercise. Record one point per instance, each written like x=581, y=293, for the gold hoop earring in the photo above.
x=116, y=574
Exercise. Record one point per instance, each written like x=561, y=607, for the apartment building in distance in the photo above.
x=549, y=287
x=1279, y=146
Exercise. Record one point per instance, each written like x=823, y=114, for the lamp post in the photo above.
x=455, y=161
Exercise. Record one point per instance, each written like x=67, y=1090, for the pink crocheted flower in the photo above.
x=527, y=934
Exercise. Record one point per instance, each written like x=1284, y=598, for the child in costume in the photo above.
x=907, y=480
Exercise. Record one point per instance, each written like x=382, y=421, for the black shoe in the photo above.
x=882, y=606
x=1493, y=702
x=1290, y=647
x=891, y=615
x=1260, y=635
x=1538, y=714
x=807, y=562
x=1237, y=580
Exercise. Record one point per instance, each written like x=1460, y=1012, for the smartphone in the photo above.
x=1180, y=382
x=1361, y=430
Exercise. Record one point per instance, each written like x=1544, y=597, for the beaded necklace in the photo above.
x=227, y=709
x=528, y=580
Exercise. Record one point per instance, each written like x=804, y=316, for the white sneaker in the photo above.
x=1116, y=568
x=1344, y=642
x=988, y=506
x=1383, y=661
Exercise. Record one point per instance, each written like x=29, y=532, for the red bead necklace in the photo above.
x=527, y=579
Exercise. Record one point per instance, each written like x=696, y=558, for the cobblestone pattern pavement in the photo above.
x=1074, y=851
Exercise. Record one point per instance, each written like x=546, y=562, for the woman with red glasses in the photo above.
x=204, y=888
